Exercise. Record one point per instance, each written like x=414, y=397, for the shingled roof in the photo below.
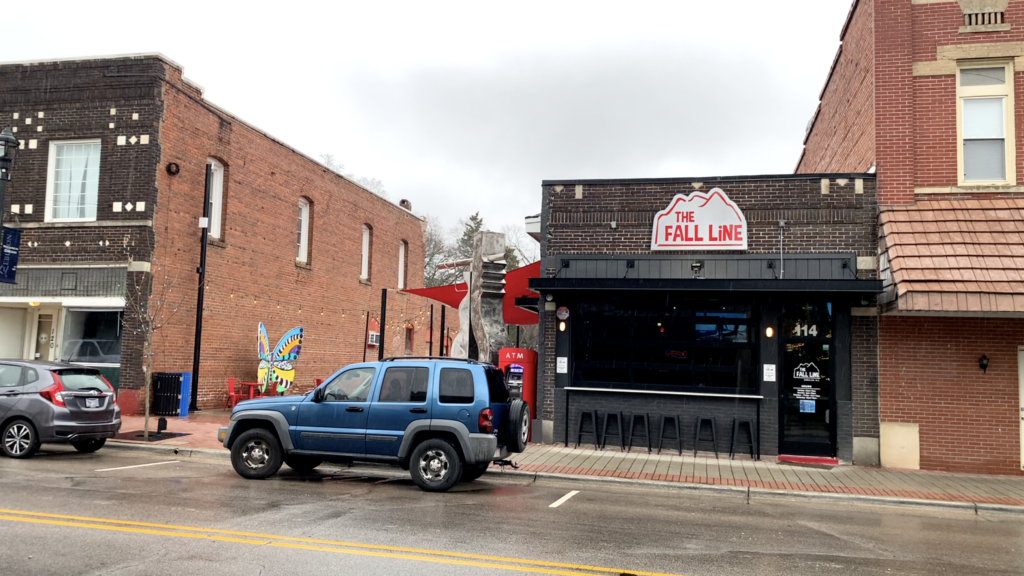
x=953, y=256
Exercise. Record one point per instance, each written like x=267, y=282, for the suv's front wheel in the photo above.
x=435, y=465
x=256, y=454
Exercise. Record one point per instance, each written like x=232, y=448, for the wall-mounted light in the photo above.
x=549, y=297
x=983, y=363
x=769, y=332
x=33, y=304
x=696, y=267
x=561, y=326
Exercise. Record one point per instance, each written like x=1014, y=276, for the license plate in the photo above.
x=92, y=402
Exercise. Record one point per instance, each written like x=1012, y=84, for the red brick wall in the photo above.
x=894, y=96
x=929, y=376
x=252, y=274
x=842, y=137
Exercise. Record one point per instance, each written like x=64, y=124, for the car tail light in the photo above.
x=54, y=392
x=486, y=421
x=113, y=395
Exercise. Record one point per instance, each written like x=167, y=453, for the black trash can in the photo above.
x=166, y=393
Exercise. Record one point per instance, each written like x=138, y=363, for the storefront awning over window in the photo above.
x=953, y=256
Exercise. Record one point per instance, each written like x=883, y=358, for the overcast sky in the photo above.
x=466, y=106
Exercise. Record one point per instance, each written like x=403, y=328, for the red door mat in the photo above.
x=813, y=460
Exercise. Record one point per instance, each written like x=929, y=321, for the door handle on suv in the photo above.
x=418, y=410
x=354, y=409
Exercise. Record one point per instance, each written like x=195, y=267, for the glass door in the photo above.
x=806, y=399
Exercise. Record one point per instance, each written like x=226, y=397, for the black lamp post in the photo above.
x=8, y=148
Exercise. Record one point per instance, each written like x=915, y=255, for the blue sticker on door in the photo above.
x=807, y=406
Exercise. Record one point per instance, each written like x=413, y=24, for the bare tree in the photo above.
x=146, y=312
x=374, y=185
x=439, y=248
x=525, y=249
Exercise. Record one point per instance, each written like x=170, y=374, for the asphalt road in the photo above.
x=65, y=513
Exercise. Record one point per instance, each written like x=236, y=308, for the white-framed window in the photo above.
x=73, y=181
x=364, y=271
x=303, y=253
x=986, y=154
x=216, y=210
x=402, y=249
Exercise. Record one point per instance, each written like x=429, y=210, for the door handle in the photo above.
x=418, y=410
x=826, y=416
x=354, y=409
x=12, y=393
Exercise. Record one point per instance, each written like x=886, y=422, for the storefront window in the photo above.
x=664, y=342
x=92, y=337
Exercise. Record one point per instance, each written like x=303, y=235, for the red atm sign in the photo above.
x=700, y=221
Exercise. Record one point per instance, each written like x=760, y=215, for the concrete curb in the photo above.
x=750, y=493
x=767, y=494
x=167, y=449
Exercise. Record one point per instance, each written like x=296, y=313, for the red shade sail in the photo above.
x=516, y=286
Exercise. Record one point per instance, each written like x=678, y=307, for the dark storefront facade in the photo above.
x=687, y=298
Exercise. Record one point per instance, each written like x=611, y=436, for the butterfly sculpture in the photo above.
x=277, y=368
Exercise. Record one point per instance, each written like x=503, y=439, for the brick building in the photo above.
x=108, y=192
x=923, y=92
x=733, y=298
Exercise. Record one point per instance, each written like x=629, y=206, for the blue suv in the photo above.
x=443, y=419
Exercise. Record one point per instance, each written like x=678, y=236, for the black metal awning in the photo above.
x=708, y=285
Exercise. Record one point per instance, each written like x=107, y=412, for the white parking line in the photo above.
x=139, y=466
x=563, y=499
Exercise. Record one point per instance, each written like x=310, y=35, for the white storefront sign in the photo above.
x=700, y=221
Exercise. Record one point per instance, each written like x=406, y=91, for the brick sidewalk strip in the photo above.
x=201, y=433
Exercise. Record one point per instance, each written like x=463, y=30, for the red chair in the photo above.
x=234, y=397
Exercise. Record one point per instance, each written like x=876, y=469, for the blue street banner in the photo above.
x=9, y=259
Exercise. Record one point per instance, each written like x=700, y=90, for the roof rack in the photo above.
x=466, y=360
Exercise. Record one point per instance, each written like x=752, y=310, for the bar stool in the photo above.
x=618, y=430
x=736, y=424
x=697, y=438
x=593, y=428
x=632, y=428
x=661, y=435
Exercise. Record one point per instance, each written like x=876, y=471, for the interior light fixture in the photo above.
x=561, y=326
x=769, y=332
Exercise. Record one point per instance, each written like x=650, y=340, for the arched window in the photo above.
x=364, y=273
x=303, y=242
x=403, y=250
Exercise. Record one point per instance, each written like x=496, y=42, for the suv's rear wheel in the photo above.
x=302, y=463
x=473, y=471
x=19, y=439
x=435, y=465
x=517, y=426
x=256, y=454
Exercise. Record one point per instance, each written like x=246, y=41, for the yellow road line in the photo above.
x=418, y=554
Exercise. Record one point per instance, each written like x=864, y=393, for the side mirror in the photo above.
x=318, y=394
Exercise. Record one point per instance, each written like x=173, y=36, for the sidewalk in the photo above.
x=638, y=465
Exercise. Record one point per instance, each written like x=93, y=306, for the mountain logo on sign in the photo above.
x=700, y=221
x=807, y=372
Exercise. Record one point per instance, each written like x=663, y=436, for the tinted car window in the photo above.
x=10, y=375
x=407, y=384
x=31, y=375
x=82, y=380
x=350, y=386
x=496, y=385
x=456, y=386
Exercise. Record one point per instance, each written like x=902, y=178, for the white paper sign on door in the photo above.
x=562, y=365
x=769, y=372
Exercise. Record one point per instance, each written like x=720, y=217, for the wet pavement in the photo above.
x=135, y=512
